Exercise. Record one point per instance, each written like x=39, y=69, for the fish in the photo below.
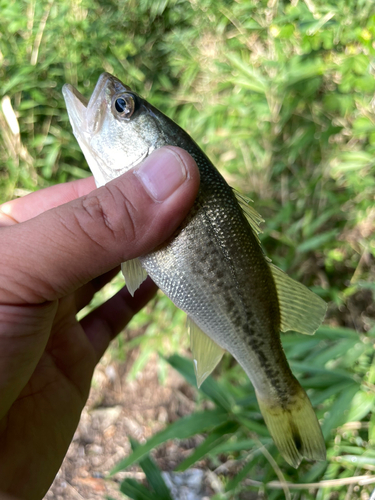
x=213, y=267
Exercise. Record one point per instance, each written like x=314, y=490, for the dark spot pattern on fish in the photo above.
x=215, y=270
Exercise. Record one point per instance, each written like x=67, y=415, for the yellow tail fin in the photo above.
x=294, y=428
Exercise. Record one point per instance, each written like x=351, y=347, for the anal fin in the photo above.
x=206, y=353
x=301, y=310
x=134, y=274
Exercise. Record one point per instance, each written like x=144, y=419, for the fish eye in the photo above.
x=124, y=105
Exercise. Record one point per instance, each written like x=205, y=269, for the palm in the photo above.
x=44, y=417
x=41, y=422
x=54, y=244
x=50, y=357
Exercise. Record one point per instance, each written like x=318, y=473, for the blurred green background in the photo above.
x=279, y=95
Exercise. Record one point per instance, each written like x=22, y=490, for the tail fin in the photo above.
x=294, y=428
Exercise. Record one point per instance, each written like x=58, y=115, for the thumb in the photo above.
x=58, y=251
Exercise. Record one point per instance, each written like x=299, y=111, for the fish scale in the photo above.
x=213, y=266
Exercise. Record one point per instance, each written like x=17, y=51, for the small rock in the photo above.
x=186, y=485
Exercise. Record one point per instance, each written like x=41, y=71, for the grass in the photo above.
x=280, y=96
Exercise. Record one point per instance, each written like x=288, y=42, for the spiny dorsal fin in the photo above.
x=301, y=310
x=134, y=274
x=252, y=216
x=206, y=353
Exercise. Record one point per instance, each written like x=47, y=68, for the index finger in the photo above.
x=27, y=207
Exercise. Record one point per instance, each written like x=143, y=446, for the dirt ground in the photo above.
x=116, y=410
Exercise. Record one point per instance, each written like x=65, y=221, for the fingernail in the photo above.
x=162, y=173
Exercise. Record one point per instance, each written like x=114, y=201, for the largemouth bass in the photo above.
x=213, y=268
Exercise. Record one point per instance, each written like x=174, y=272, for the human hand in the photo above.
x=54, y=257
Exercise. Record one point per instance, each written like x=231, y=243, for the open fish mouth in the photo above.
x=86, y=115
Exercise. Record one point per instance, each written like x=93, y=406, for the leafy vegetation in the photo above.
x=280, y=96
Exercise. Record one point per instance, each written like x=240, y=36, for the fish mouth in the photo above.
x=76, y=105
x=86, y=115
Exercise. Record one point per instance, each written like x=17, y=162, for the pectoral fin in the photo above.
x=206, y=353
x=134, y=274
x=301, y=310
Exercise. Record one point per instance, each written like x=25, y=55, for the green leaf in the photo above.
x=357, y=461
x=362, y=405
x=181, y=429
x=139, y=363
x=332, y=374
x=253, y=79
x=329, y=332
x=254, y=426
x=155, y=479
x=216, y=437
x=333, y=352
x=317, y=241
x=210, y=387
x=332, y=389
x=244, y=472
x=135, y=490
x=338, y=412
x=303, y=72
x=153, y=475
x=233, y=444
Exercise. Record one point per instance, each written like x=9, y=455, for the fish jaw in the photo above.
x=111, y=146
x=76, y=104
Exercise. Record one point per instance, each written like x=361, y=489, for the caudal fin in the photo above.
x=294, y=428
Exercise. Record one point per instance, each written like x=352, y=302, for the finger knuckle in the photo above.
x=112, y=213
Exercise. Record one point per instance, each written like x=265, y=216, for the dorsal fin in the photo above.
x=252, y=216
x=206, y=353
x=301, y=310
x=134, y=274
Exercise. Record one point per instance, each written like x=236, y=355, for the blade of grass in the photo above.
x=181, y=429
x=216, y=437
x=210, y=387
x=136, y=491
x=153, y=475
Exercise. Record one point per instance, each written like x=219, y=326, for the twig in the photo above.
x=350, y=490
x=310, y=5
x=10, y=130
x=326, y=483
x=39, y=35
x=276, y=468
x=10, y=115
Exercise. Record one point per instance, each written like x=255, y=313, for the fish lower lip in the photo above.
x=76, y=106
